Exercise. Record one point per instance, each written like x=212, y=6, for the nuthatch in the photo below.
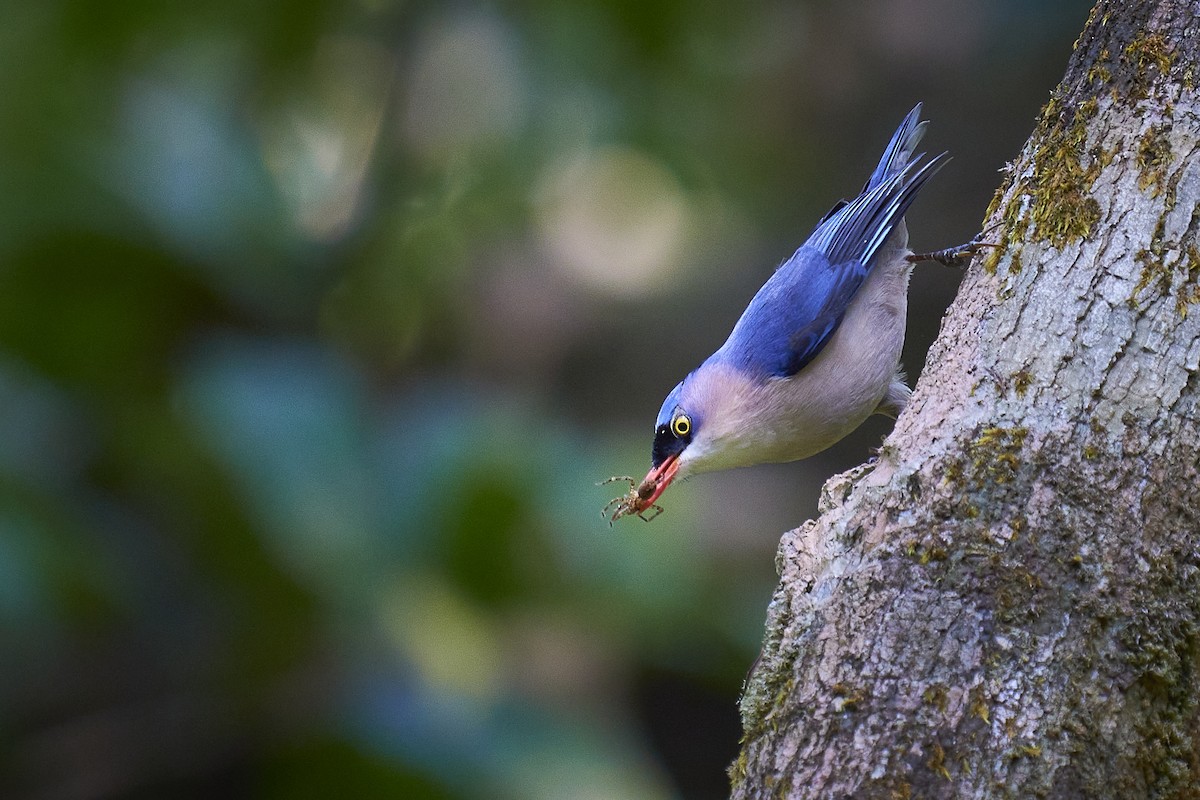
x=817, y=351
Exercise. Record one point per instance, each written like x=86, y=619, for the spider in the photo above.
x=632, y=503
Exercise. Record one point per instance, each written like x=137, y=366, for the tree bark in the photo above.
x=1006, y=603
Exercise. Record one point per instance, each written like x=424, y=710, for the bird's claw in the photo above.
x=955, y=257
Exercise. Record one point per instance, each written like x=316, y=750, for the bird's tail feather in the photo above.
x=857, y=230
x=899, y=152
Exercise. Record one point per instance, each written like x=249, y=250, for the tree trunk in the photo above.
x=1007, y=602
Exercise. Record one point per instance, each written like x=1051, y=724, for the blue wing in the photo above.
x=792, y=317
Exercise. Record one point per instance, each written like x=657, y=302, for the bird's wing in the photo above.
x=799, y=308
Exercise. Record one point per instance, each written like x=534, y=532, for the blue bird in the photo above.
x=817, y=351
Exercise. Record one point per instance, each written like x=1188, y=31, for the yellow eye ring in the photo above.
x=681, y=426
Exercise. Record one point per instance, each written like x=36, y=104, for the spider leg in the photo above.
x=631, y=481
x=657, y=510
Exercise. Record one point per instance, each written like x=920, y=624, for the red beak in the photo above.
x=657, y=481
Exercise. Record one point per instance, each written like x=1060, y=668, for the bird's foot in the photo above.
x=957, y=257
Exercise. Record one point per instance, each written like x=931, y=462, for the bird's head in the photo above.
x=712, y=420
x=674, y=431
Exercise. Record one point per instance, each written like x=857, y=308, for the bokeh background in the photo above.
x=321, y=319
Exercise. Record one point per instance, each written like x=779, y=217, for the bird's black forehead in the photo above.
x=666, y=444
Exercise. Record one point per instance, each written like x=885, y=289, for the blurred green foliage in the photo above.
x=320, y=321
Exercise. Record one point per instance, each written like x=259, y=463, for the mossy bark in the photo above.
x=1007, y=602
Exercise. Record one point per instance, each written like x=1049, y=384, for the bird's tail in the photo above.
x=900, y=149
x=855, y=231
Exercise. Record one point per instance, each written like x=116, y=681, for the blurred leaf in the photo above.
x=99, y=314
x=323, y=768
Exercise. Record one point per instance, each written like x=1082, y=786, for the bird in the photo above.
x=817, y=350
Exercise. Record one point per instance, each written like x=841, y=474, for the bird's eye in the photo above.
x=681, y=426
